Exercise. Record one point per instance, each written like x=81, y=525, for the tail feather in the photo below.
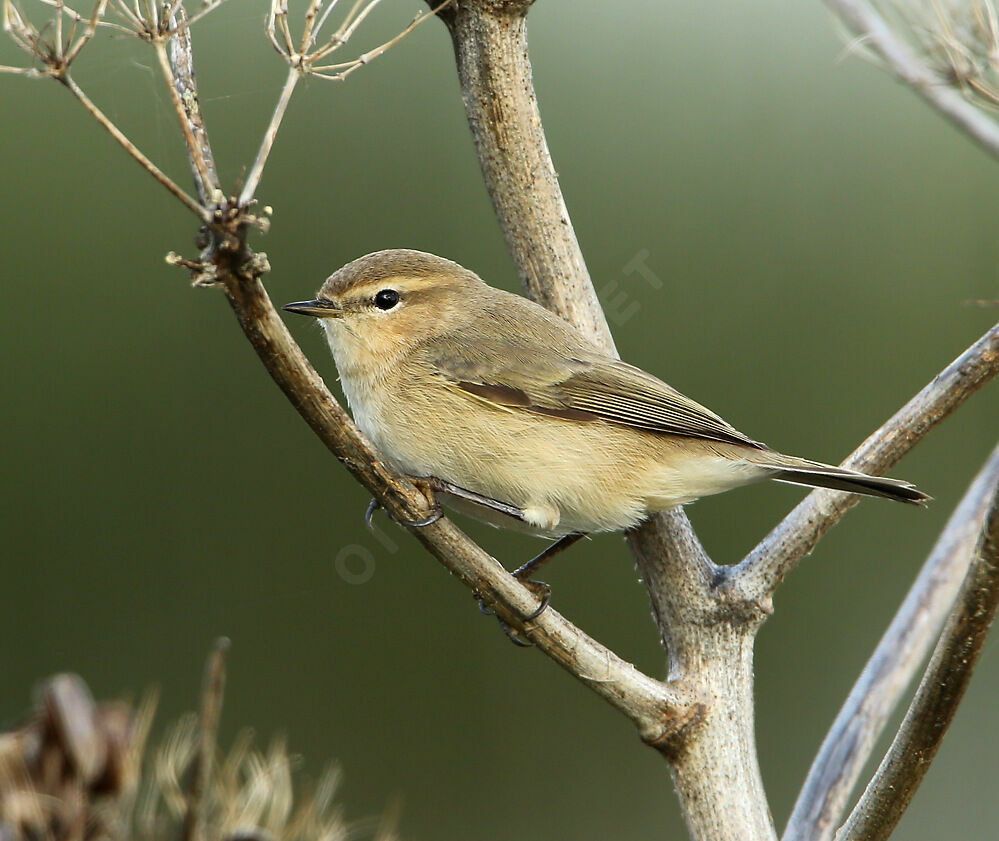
x=795, y=471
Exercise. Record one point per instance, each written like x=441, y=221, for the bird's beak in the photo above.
x=318, y=308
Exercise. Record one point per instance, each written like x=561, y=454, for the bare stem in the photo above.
x=203, y=174
x=714, y=765
x=869, y=26
x=892, y=665
x=908, y=759
x=490, y=44
x=780, y=551
x=132, y=149
x=212, y=693
x=257, y=170
x=184, y=90
x=30, y=72
x=339, y=72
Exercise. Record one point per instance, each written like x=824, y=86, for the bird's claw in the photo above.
x=542, y=591
x=430, y=519
x=373, y=506
x=539, y=589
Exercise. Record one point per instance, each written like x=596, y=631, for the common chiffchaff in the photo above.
x=487, y=391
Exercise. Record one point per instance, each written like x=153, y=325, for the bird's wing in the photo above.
x=584, y=386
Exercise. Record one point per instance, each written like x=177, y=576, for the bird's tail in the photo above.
x=814, y=474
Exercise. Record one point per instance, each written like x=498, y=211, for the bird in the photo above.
x=511, y=415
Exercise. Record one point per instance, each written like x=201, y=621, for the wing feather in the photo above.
x=581, y=385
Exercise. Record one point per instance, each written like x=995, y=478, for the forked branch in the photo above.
x=902, y=648
x=798, y=533
x=908, y=759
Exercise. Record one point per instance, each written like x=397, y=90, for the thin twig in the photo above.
x=781, y=550
x=869, y=26
x=257, y=170
x=88, y=33
x=133, y=150
x=212, y=693
x=30, y=72
x=311, y=14
x=892, y=665
x=132, y=17
x=301, y=62
x=346, y=30
x=925, y=724
x=187, y=24
x=339, y=72
x=202, y=173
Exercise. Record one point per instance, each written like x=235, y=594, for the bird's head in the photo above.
x=385, y=303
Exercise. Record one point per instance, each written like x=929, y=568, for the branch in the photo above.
x=869, y=27
x=494, y=69
x=709, y=639
x=303, y=60
x=657, y=709
x=798, y=533
x=179, y=75
x=943, y=684
x=56, y=56
x=131, y=148
x=888, y=672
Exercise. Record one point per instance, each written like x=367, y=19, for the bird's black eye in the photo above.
x=386, y=299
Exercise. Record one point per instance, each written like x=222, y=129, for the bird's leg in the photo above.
x=432, y=484
x=525, y=572
x=442, y=486
x=538, y=588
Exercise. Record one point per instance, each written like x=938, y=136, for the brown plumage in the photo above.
x=490, y=392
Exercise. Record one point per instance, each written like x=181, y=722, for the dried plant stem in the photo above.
x=88, y=33
x=207, y=10
x=799, y=532
x=184, y=89
x=30, y=72
x=257, y=170
x=212, y=693
x=132, y=149
x=202, y=172
x=714, y=765
x=877, y=36
x=494, y=69
x=894, y=662
x=905, y=764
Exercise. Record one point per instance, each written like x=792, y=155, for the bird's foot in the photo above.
x=435, y=514
x=542, y=591
x=515, y=636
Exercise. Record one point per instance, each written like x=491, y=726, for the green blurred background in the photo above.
x=816, y=232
